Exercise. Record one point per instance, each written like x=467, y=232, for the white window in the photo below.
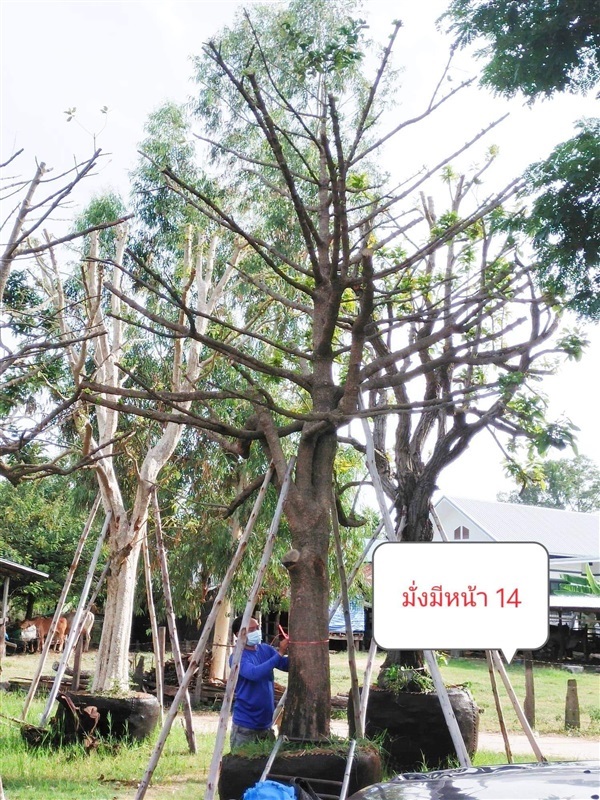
x=461, y=532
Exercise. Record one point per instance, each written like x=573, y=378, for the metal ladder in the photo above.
x=323, y=788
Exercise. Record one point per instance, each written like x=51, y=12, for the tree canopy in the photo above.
x=568, y=483
x=535, y=47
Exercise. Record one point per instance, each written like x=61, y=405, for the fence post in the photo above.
x=529, y=704
x=572, y=705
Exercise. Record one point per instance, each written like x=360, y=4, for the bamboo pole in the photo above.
x=271, y=758
x=176, y=650
x=215, y=766
x=206, y=631
x=517, y=707
x=372, y=467
x=457, y=739
x=364, y=699
x=348, y=770
x=76, y=625
x=499, y=711
x=348, y=621
x=98, y=586
x=153, y=624
x=63, y=596
x=76, y=677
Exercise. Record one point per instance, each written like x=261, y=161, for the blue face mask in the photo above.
x=254, y=638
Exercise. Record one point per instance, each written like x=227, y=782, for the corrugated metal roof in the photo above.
x=568, y=533
x=576, y=602
x=19, y=572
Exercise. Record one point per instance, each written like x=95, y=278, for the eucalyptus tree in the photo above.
x=92, y=328
x=33, y=404
x=295, y=129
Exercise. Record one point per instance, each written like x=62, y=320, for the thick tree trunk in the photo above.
x=307, y=713
x=112, y=669
x=309, y=696
x=412, y=504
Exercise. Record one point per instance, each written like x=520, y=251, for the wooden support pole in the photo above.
x=153, y=624
x=529, y=702
x=454, y=730
x=162, y=648
x=76, y=625
x=164, y=569
x=76, y=677
x=61, y=601
x=206, y=631
x=364, y=698
x=376, y=480
x=359, y=732
x=215, y=766
x=572, y=706
x=499, y=711
x=518, y=710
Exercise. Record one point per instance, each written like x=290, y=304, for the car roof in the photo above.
x=564, y=780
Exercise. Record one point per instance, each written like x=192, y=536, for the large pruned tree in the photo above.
x=331, y=278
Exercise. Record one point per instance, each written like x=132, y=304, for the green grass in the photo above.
x=113, y=774
x=550, y=686
x=550, y=692
x=109, y=773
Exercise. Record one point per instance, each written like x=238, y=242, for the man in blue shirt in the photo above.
x=254, y=701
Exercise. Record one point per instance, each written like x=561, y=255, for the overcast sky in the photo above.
x=134, y=56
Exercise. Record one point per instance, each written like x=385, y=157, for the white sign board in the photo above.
x=467, y=596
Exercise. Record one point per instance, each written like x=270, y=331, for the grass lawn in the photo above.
x=550, y=691
x=112, y=773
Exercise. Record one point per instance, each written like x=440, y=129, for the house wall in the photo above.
x=451, y=519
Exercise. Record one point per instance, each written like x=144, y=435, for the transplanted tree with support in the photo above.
x=331, y=279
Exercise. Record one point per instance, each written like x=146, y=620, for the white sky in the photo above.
x=133, y=56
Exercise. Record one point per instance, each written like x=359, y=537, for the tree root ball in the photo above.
x=318, y=766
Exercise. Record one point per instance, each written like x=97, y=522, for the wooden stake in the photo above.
x=572, y=705
x=367, y=683
x=77, y=665
x=453, y=729
x=164, y=568
x=206, y=631
x=499, y=711
x=529, y=702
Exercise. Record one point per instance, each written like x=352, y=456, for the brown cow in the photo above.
x=86, y=629
x=42, y=626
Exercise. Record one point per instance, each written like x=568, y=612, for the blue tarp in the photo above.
x=357, y=615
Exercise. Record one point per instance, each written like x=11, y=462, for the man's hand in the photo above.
x=284, y=641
